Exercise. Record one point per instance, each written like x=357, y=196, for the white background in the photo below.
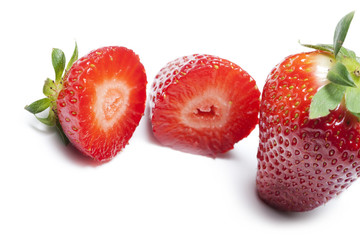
x=49, y=191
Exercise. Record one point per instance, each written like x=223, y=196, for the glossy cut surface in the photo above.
x=102, y=101
x=203, y=104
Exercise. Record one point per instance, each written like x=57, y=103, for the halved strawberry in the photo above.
x=203, y=104
x=101, y=101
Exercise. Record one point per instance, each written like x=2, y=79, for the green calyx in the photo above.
x=343, y=76
x=51, y=90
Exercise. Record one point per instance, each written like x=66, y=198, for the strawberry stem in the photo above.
x=51, y=90
x=339, y=74
x=344, y=76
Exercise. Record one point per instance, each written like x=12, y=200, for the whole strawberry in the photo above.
x=98, y=102
x=203, y=104
x=309, y=126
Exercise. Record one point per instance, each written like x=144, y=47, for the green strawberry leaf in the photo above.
x=340, y=75
x=38, y=106
x=327, y=98
x=73, y=58
x=352, y=99
x=58, y=62
x=49, y=88
x=321, y=47
x=50, y=120
x=341, y=32
x=344, y=52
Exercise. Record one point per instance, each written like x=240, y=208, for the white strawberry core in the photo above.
x=208, y=110
x=322, y=64
x=111, y=102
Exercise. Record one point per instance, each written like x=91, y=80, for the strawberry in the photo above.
x=203, y=104
x=98, y=103
x=309, y=126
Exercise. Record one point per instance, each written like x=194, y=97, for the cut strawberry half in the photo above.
x=98, y=103
x=203, y=104
x=102, y=101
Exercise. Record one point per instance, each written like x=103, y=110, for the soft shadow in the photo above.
x=80, y=159
x=229, y=155
x=43, y=129
x=70, y=152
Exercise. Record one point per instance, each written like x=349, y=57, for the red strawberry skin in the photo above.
x=203, y=104
x=102, y=101
x=303, y=163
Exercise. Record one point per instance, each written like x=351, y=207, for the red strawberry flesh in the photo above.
x=203, y=104
x=102, y=101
